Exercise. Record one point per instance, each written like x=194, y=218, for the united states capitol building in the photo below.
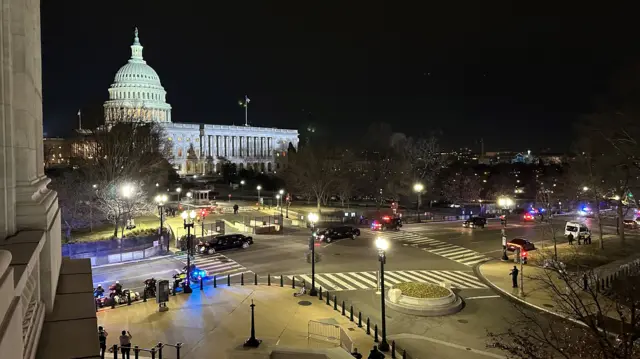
x=197, y=148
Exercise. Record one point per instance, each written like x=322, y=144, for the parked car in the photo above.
x=630, y=223
x=512, y=244
x=224, y=242
x=577, y=230
x=330, y=234
x=474, y=222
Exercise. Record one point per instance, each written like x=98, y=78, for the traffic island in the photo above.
x=423, y=299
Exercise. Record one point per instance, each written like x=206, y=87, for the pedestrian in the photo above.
x=235, y=209
x=375, y=353
x=514, y=276
x=125, y=344
x=356, y=354
x=570, y=238
x=102, y=338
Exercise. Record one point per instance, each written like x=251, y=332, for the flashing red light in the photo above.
x=386, y=218
x=317, y=244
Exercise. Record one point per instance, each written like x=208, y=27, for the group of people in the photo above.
x=125, y=342
x=373, y=354
x=581, y=240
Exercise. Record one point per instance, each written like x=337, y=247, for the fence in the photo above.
x=264, y=224
x=118, y=250
x=153, y=352
x=317, y=330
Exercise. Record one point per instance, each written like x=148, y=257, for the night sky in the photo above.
x=467, y=71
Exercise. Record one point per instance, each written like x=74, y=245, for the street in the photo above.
x=428, y=253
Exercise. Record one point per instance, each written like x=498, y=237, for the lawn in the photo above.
x=589, y=256
x=106, y=231
x=422, y=290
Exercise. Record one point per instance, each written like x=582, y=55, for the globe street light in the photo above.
x=418, y=188
x=161, y=199
x=242, y=184
x=188, y=217
x=585, y=189
x=382, y=245
x=178, y=190
x=313, y=218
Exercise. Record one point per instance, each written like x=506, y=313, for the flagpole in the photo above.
x=246, y=110
x=79, y=120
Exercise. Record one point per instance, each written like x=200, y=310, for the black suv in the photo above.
x=331, y=234
x=474, y=222
x=223, y=242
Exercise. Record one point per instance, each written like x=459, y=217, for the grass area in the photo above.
x=589, y=256
x=422, y=290
x=104, y=232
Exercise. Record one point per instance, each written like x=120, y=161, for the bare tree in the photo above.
x=120, y=200
x=425, y=159
x=605, y=323
x=462, y=188
x=313, y=170
x=76, y=202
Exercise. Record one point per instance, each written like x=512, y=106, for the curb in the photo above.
x=513, y=298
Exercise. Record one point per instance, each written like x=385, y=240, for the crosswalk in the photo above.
x=215, y=264
x=444, y=249
x=369, y=280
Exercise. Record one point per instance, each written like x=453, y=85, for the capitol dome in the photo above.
x=136, y=93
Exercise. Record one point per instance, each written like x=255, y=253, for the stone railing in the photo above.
x=22, y=311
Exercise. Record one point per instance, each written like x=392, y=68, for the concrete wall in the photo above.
x=295, y=353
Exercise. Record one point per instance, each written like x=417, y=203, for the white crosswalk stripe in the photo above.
x=368, y=280
x=444, y=249
x=215, y=264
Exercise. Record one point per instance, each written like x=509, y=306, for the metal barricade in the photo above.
x=323, y=331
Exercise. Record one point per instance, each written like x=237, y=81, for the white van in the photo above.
x=577, y=230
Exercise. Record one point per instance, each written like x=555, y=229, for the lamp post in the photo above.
x=178, y=190
x=189, y=195
x=242, y=182
x=259, y=188
x=288, y=202
x=418, y=188
x=382, y=245
x=313, y=218
x=188, y=217
x=95, y=192
x=161, y=199
x=127, y=192
x=278, y=202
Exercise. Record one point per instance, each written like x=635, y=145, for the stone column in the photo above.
x=262, y=147
x=234, y=146
x=25, y=201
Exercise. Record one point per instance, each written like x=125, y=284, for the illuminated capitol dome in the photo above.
x=196, y=148
x=136, y=91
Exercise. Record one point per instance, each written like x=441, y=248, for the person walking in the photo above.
x=125, y=344
x=514, y=276
x=102, y=338
x=570, y=238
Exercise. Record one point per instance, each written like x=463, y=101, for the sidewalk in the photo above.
x=538, y=293
x=217, y=321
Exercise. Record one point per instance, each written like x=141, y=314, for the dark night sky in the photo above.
x=517, y=81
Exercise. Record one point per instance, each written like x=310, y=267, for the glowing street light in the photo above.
x=189, y=194
x=418, y=188
x=126, y=190
x=259, y=187
x=382, y=245
x=188, y=217
x=505, y=202
x=161, y=199
x=585, y=189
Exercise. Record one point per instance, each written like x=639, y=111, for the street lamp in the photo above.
x=242, y=184
x=585, y=189
x=178, y=190
x=161, y=199
x=505, y=202
x=127, y=192
x=418, y=188
x=259, y=188
x=313, y=218
x=382, y=245
x=189, y=195
x=188, y=218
